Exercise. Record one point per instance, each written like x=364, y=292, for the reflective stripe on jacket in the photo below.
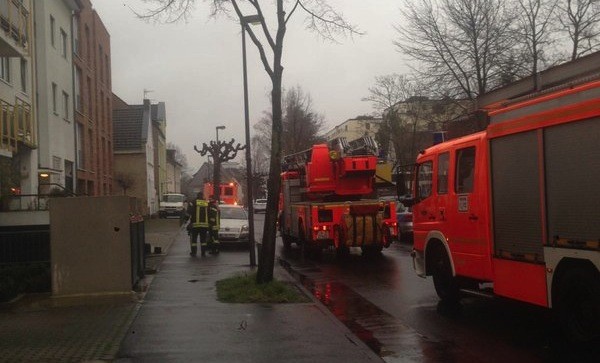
x=214, y=217
x=201, y=215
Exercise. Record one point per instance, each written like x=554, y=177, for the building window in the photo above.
x=54, y=98
x=78, y=89
x=23, y=75
x=100, y=52
x=63, y=43
x=66, y=105
x=89, y=84
x=80, y=158
x=56, y=163
x=76, y=35
x=5, y=69
x=52, y=31
x=88, y=43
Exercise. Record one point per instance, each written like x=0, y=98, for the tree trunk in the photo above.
x=267, y=256
x=216, y=180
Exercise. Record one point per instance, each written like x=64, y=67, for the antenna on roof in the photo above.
x=146, y=91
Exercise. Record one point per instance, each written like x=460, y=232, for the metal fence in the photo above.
x=137, y=239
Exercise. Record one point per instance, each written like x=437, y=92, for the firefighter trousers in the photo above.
x=202, y=233
x=213, y=240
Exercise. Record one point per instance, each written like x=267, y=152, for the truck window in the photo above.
x=424, y=179
x=465, y=170
x=442, y=173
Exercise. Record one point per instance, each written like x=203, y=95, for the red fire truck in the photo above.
x=229, y=192
x=513, y=210
x=322, y=201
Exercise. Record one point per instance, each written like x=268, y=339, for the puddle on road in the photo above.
x=381, y=332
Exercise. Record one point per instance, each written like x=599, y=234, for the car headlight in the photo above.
x=244, y=229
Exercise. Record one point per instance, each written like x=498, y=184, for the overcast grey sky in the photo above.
x=196, y=67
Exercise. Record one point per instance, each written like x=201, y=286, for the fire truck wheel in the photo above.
x=577, y=303
x=371, y=251
x=445, y=284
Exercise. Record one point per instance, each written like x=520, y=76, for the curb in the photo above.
x=368, y=352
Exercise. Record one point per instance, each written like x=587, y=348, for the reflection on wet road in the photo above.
x=397, y=314
x=380, y=331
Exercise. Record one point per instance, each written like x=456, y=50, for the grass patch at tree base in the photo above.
x=244, y=289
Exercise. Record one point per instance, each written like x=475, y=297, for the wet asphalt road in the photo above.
x=399, y=316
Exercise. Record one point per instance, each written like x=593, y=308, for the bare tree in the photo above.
x=269, y=40
x=301, y=124
x=125, y=181
x=580, y=19
x=387, y=92
x=179, y=157
x=221, y=151
x=534, y=30
x=460, y=46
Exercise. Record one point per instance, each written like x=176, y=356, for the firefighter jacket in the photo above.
x=199, y=214
x=214, y=216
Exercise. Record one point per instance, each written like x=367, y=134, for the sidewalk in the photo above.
x=176, y=317
x=181, y=319
x=39, y=328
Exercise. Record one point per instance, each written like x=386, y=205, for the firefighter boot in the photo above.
x=193, y=248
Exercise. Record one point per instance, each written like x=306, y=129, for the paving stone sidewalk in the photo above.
x=39, y=328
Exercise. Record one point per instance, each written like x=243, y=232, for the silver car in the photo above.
x=260, y=205
x=234, y=224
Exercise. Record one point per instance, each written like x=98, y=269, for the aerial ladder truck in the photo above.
x=327, y=199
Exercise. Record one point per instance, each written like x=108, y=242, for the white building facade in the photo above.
x=353, y=129
x=54, y=69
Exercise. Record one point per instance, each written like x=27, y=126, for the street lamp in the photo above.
x=219, y=128
x=246, y=20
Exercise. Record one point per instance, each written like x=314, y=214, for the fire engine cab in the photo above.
x=322, y=201
x=514, y=210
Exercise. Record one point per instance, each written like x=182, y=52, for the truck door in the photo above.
x=466, y=213
x=424, y=212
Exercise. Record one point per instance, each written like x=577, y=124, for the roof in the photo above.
x=128, y=128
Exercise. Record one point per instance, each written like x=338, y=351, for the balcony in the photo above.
x=16, y=127
x=14, y=29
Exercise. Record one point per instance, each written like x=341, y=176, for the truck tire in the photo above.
x=577, y=304
x=372, y=250
x=445, y=284
x=341, y=250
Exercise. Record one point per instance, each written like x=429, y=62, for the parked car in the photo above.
x=260, y=205
x=172, y=205
x=405, y=221
x=234, y=225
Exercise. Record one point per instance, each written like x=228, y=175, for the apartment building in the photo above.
x=134, y=153
x=54, y=89
x=18, y=127
x=173, y=182
x=93, y=103
x=159, y=138
x=355, y=128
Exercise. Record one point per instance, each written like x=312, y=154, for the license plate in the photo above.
x=392, y=231
x=323, y=235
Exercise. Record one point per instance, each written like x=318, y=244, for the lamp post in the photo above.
x=219, y=128
x=217, y=166
x=247, y=20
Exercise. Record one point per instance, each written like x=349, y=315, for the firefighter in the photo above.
x=214, y=221
x=198, y=226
